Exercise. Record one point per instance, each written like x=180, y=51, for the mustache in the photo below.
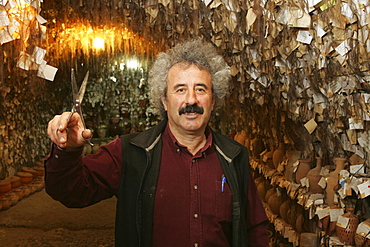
x=191, y=109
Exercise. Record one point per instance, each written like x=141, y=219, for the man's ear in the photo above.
x=164, y=102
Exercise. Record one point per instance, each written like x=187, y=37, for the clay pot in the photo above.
x=26, y=177
x=292, y=156
x=303, y=168
x=362, y=232
x=269, y=193
x=346, y=234
x=13, y=198
x=257, y=146
x=261, y=188
x=26, y=190
x=19, y=192
x=39, y=185
x=268, y=159
x=284, y=209
x=39, y=170
x=39, y=163
x=15, y=181
x=332, y=181
x=241, y=137
x=314, y=177
x=274, y=202
x=30, y=170
x=5, y=203
x=278, y=155
x=102, y=131
x=293, y=213
x=5, y=186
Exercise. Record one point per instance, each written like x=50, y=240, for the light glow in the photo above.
x=98, y=43
x=132, y=64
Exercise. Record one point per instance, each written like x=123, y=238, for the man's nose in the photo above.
x=191, y=97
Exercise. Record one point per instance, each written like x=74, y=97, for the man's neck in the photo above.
x=194, y=141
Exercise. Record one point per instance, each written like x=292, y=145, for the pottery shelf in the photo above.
x=311, y=204
x=22, y=185
x=286, y=230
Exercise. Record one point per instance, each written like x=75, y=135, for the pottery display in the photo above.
x=275, y=201
x=5, y=202
x=304, y=167
x=292, y=156
x=26, y=177
x=241, y=137
x=15, y=181
x=332, y=181
x=257, y=146
x=314, y=177
x=278, y=155
x=5, y=186
x=362, y=233
x=346, y=233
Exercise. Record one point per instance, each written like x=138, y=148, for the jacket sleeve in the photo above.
x=257, y=221
x=78, y=181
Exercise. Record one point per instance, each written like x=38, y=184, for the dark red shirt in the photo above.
x=190, y=208
x=190, y=199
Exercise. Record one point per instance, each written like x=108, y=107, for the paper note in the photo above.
x=304, y=37
x=357, y=169
x=364, y=189
x=343, y=48
x=47, y=72
x=319, y=30
x=342, y=222
x=355, y=124
x=251, y=18
x=24, y=61
x=322, y=212
x=311, y=4
x=335, y=213
x=310, y=126
x=363, y=230
x=39, y=54
x=4, y=20
x=41, y=19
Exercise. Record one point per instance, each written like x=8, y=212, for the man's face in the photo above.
x=189, y=101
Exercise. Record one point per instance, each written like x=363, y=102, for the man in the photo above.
x=178, y=183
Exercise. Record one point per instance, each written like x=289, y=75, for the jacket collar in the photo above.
x=227, y=147
x=149, y=138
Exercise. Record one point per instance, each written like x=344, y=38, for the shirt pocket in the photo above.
x=224, y=202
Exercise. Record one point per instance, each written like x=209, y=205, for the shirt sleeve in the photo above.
x=78, y=181
x=257, y=221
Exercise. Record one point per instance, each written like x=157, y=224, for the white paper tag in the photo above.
x=342, y=221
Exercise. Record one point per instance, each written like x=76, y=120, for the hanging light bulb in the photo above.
x=98, y=43
x=132, y=64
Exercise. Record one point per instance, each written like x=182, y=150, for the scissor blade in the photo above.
x=74, y=85
x=81, y=93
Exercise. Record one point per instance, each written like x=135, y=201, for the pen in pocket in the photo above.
x=223, y=181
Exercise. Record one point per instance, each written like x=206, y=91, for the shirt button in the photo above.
x=56, y=156
x=196, y=245
x=195, y=187
x=178, y=150
x=196, y=216
x=193, y=160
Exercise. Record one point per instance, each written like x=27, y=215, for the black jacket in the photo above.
x=141, y=162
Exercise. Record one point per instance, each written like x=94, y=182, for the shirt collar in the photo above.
x=168, y=134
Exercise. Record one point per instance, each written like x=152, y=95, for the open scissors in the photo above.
x=78, y=96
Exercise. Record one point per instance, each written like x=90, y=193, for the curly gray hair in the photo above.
x=196, y=52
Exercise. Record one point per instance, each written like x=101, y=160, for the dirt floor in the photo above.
x=40, y=221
